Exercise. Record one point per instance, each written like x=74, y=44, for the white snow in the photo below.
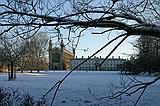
x=74, y=91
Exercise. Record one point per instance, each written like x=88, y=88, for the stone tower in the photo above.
x=62, y=55
x=59, y=57
x=50, y=54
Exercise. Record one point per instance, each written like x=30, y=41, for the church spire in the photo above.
x=62, y=44
x=73, y=52
x=50, y=44
x=50, y=54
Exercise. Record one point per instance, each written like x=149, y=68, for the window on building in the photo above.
x=56, y=58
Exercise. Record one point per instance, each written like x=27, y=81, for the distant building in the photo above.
x=93, y=64
x=59, y=57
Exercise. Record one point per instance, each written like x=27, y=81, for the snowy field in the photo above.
x=75, y=89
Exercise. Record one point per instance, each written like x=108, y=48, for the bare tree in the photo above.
x=129, y=17
x=11, y=52
x=35, y=54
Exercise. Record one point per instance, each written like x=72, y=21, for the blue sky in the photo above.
x=93, y=42
x=90, y=43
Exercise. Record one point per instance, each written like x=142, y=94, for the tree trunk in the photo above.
x=12, y=71
x=9, y=74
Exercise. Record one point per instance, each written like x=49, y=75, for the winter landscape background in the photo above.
x=75, y=89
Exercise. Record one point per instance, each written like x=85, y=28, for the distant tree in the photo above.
x=35, y=54
x=11, y=52
x=129, y=67
x=2, y=63
x=148, y=49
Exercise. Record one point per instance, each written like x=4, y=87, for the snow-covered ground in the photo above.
x=74, y=91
